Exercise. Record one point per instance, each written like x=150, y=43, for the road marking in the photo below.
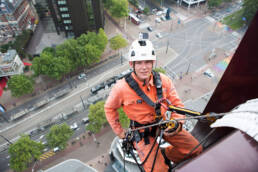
x=46, y=155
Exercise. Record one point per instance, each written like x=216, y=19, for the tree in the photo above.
x=72, y=51
x=119, y=8
x=146, y=10
x=20, y=85
x=49, y=50
x=54, y=67
x=59, y=135
x=117, y=42
x=107, y=3
x=23, y=152
x=250, y=8
x=102, y=40
x=96, y=117
x=134, y=2
x=214, y=3
x=160, y=69
x=92, y=53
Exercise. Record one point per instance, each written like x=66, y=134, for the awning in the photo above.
x=27, y=64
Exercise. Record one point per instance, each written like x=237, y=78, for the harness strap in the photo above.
x=158, y=84
x=134, y=85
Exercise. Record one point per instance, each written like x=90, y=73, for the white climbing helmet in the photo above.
x=141, y=50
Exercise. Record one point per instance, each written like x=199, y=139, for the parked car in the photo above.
x=157, y=20
x=123, y=74
x=109, y=82
x=56, y=149
x=149, y=29
x=94, y=90
x=74, y=126
x=158, y=35
x=85, y=120
x=82, y=76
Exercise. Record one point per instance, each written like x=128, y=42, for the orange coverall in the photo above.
x=138, y=110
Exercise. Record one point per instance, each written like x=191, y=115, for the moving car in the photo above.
x=82, y=76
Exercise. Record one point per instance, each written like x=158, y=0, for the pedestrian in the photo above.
x=138, y=109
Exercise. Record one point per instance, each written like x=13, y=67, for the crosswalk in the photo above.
x=46, y=155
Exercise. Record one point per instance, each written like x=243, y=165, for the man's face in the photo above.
x=143, y=69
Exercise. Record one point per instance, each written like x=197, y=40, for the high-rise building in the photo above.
x=77, y=17
x=15, y=16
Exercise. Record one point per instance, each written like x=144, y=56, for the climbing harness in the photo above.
x=134, y=133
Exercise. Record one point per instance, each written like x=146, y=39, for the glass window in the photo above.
x=65, y=15
x=67, y=21
x=63, y=9
x=61, y=2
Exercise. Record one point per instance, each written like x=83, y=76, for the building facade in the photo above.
x=15, y=16
x=76, y=17
x=10, y=64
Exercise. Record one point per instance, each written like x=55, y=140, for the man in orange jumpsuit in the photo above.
x=142, y=58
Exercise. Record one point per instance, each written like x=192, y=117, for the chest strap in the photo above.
x=158, y=84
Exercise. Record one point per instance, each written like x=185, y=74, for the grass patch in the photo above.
x=234, y=20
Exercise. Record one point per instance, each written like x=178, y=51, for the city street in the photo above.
x=184, y=49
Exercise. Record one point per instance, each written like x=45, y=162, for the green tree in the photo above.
x=5, y=47
x=250, y=8
x=134, y=2
x=214, y=3
x=23, y=152
x=96, y=117
x=108, y=3
x=49, y=50
x=59, y=135
x=160, y=69
x=21, y=42
x=92, y=54
x=102, y=40
x=54, y=67
x=117, y=42
x=146, y=10
x=20, y=85
x=71, y=50
x=119, y=8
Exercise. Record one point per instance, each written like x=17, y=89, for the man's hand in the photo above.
x=171, y=132
x=122, y=134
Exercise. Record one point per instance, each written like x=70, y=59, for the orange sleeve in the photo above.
x=114, y=102
x=173, y=97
